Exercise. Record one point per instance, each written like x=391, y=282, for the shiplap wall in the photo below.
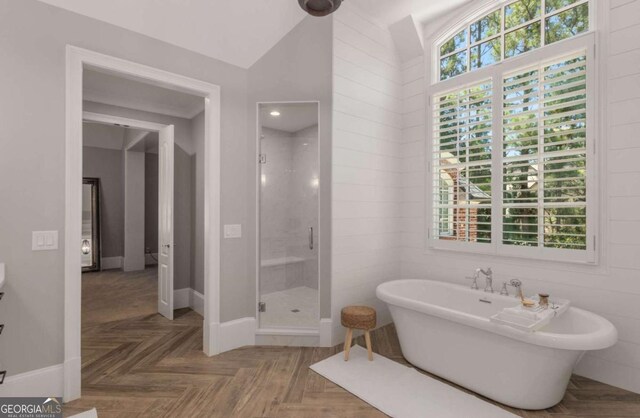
x=367, y=135
x=611, y=289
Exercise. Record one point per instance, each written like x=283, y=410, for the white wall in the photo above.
x=611, y=289
x=367, y=135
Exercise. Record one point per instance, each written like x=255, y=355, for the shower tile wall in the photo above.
x=289, y=206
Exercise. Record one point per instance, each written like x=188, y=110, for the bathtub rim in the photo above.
x=604, y=336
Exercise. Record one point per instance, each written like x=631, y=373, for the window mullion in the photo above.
x=502, y=45
x=496, y=161
x=541, y=157
x=543, y=20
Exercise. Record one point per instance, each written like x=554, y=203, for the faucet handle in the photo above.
x=515, y=283
x=474, y=283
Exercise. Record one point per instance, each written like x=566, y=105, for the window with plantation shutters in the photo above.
x=544, y=152
x=512, y=150
x=462, y=163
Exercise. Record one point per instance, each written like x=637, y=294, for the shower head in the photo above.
x=319, y=7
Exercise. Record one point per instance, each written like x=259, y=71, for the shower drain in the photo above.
x=295, y=310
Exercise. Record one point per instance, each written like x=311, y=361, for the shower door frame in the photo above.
x=282, y=330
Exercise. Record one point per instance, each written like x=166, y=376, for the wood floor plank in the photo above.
x=136, y=363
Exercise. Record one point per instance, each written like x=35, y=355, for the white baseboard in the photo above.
x=72, y=379
x=284, y=340
x=188, y=298
x=181, y=298
x=326, y=325
x=196, y=301
x=149, y=261
x=46, y=382
x=109, y=263
x=237, y=333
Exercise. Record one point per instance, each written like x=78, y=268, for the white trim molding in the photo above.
x=326, y=325
x=77, y=59
x=45, y=382
x=196, y=301
x=237, y=333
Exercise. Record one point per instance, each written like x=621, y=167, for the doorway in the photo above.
x=78, y=62
x=288, y=216
x=129, y=162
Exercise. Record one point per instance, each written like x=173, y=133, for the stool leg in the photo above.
x=367, y=338
x=347, y=344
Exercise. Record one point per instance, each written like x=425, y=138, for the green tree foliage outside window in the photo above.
x=526, y=28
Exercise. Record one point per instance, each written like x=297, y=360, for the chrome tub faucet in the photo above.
x=488, y=273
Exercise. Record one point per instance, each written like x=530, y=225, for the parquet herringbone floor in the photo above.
x=135, y=363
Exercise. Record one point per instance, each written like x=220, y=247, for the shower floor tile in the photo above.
x=292, y=308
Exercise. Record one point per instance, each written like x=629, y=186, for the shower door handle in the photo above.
x=311, y=238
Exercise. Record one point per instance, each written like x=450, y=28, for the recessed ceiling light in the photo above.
x=275, y=113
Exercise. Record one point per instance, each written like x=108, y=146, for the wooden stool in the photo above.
x=358, y=317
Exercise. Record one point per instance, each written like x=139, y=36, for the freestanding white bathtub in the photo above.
x=445, y=329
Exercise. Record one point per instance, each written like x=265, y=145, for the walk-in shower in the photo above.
x=288, y=215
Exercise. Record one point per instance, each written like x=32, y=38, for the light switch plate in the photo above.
x=233, y=231
x=44, y=240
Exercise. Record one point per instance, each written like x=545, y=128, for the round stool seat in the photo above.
x=358, y=317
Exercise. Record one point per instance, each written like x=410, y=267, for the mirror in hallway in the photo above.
x=90, y=245
x=288, y=215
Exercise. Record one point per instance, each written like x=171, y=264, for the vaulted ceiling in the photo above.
x=388, y=12
x=238, y=32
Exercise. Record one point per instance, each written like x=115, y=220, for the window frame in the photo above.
x=491, y=7
x=585, y=42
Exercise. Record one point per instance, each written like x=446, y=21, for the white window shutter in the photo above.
x=544, y=160
x=461, y=164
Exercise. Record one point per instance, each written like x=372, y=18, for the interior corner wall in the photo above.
x=32, y=165
x=610, y=289
x=298, y=68
x=367, y=164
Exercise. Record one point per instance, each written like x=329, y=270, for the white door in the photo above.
x=165, y=221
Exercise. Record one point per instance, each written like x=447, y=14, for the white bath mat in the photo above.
x=92, y=413
x=400, y=391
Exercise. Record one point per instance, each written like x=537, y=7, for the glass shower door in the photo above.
x=288, y=234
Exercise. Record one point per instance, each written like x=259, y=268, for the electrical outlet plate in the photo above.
x=233, y=231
